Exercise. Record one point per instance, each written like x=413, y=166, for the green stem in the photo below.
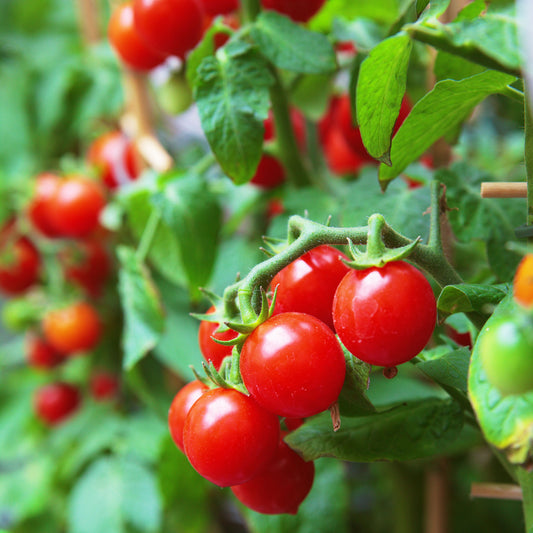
x=287, y=146
x=528, y=156
x=148, y=235
x=250, y=10
x=525, y=479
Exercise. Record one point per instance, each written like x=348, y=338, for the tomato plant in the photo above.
x=385, y=316
x=207, y=340
x=293, y=365
x=228, y=437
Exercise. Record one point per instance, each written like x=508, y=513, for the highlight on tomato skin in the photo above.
x=228, y=437
x=124, y=37
x=180, y=407
x=281, y=487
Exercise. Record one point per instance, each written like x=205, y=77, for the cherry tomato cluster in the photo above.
x=55, y=248
x=506, y=344
x=293, y=366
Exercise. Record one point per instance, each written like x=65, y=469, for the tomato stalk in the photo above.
x=148, y=235
x=525, y=479
x=250, y=9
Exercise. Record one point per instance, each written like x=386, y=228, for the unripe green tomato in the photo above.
x=175, y=95
x=20, y=314
x=506, y=348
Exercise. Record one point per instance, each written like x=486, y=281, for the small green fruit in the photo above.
x=506, y=348
x=175, y=95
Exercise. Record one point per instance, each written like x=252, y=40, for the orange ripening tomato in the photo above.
x=523, y=282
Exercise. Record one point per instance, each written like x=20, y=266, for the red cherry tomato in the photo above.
x=39, y=207
x=340, y=157
x=462, y=339
x=76, y=206
x=269, y=173
x=228, y=438
x=127, y=43
x=40, y=354
x=282, y=487
x=56, y=402
x=293, y=365
x=180, y=407
x=103, y=385
x=114, y=157
x=523, y=282
x=219, y=7
x=173, y=27
x=308, y=284
x=297, y=10
x=211, y=350
x=72, y=329
x=385, y=316
x=20, y=262
x=87, y=264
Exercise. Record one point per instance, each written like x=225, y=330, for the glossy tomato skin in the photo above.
x=39, y=209
x=385, y=316
x=523, y=282
x=281, y=487
x=104, y=385
x=219, y=7
x=340, y=157
x=180, y=407
x=297, y=10
x=76, y=206
x=269, y=174
x=293, y=365
x=40, y=354
x=20, y=262
x=308, y=284
x=211, y=350
x=173, y=27
x=56, y=402
x=228, y=438
x=127, y=43
x=87, y=264
x=71, y=329
x=114, y=157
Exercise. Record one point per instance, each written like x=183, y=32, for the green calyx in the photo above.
x=376, y=253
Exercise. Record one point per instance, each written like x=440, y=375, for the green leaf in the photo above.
x=364, y=33
x=291, y=47
x=450, y=67
x=436, y=114
x=413, y=430
x=205, y=48
x=489, y=39
x=311, y=94
x=506, y=421
x=113, y=494
x=231, y=90
x=193, y=214
x=143, y=314
x=465, y=298
x=353, y=400
x=380, y=89
x=448, y=370
x=325, y=509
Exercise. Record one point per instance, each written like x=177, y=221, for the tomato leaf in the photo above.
x=143, y=314
x=291, y=47
x=380, y=89
x=112, y=494
x=489, y=39
x=465, y=298
x=506, y=421
x=231, y=90
x=324, y=509
x=353, y=400
x=448, y=66
x=193, y=214
x=363, y=32
x=412, y=430
x=436, y=114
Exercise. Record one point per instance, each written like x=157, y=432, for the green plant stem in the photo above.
x=287, y=147
x=148, y=235
x=528, y=156
x=525, y=479
x=303, y=235
x=250, y=9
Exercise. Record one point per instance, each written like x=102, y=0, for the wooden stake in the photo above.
x=89, y=21
x=498, y=491
x=437, y=498
x=502, y=189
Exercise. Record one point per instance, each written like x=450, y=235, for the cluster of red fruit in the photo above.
x=145, y=32
x=293, y=367
x=60, y=223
